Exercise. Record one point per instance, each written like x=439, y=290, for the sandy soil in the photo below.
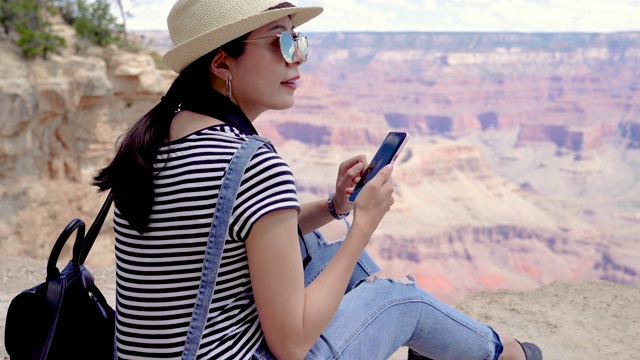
x=569, y=321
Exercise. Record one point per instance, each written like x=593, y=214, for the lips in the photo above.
x=291, y=81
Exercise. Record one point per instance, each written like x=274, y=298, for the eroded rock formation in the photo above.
x=59, y=121
x=522, y=167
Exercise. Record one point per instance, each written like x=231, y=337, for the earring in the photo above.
x=228, y=87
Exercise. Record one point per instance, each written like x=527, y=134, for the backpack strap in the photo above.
x=81, y=251
x=215, y=244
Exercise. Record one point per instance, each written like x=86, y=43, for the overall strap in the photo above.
x=215, y=244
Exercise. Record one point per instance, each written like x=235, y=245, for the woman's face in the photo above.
x=261, y=78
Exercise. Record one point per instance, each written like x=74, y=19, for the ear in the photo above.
x=220, y=66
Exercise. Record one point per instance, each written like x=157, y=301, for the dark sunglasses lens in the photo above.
x=287, y=46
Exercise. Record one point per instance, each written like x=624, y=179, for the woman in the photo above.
x=237, y=59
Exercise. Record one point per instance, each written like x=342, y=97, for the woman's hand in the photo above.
x=374, y=201
x=349, y=174
x=315, y=214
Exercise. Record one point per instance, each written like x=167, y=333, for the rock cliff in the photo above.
x=570, y=89
x=522, y=167
x=59, y=121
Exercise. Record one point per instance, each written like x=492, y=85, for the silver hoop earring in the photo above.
x=228, y=87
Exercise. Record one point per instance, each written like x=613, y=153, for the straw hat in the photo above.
x=199, y=26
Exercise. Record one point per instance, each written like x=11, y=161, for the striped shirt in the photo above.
x=158, y=272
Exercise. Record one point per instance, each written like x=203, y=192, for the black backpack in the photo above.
x=65, y=317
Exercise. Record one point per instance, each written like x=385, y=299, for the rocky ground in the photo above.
x=570, y=321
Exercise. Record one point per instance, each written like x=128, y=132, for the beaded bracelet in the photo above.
x=332, y=208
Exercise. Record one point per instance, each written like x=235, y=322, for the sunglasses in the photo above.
x=289, y=42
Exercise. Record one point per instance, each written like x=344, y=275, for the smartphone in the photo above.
x=386, y=154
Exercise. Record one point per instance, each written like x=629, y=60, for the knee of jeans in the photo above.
x=323, y=240
x=383, y=275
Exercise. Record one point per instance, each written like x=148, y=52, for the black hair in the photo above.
x=130, y=174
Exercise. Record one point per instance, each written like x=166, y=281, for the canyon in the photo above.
x=522, y=168
x=523, y=165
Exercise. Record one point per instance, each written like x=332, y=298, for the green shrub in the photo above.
x=36, y=43
x=93, y=21
x=25, y=17
x=157, y=58
x=7, y=16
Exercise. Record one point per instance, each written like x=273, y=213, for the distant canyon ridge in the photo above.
x=523, y=165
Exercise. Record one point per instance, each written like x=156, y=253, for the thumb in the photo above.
x=384, y=174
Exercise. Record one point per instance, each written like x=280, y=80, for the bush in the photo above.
x=34, y=33
x=93, y=21
x=38, y=42
x=7, y=16
x=157, y=58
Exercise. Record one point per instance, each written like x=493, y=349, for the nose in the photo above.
x=298, y=56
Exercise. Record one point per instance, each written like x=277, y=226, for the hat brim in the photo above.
x=187, y=52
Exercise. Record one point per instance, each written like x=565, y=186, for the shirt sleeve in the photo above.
x=266, y=186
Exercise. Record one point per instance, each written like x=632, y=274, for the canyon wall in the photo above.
x=522, y=167
x=59, y=121
x=523, y=164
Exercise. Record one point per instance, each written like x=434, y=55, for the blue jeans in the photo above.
x=379, y=315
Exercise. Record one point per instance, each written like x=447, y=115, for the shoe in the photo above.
x=415, y=356
x=531, y=351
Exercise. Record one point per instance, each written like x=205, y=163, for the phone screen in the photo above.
x=386, y=154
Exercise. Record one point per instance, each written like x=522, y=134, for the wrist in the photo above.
x=360, y=233
x=332, y=208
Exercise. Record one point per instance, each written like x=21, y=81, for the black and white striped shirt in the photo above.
x=158, y=272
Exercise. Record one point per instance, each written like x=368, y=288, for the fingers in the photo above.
x=349, y=163
x=381, y=184
x=352, y=167
x=386, y=186
x=384, y=176
x=349, y=173
x=375, y=200
x=355, y=170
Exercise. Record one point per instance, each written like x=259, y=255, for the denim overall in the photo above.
x=215, y=244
